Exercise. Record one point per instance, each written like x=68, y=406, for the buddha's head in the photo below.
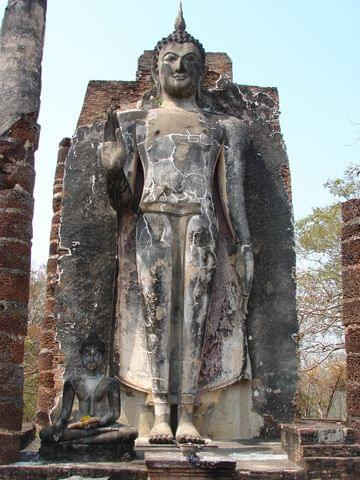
x=92, y=352
x=179, y=62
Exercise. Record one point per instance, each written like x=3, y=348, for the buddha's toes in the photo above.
x=187, y=433
x=161, y=433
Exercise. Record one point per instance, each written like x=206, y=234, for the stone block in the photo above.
x=23, y=175
x=52, y=265
x=340, y=450
x=11, y=379
x=15, y=255
x=16, y=198
x=16, y=225
x=331, y=468
x=350, y=209
x=49, y=306
x=11, y=412
x=48, y=323
x=11, y=348
x=352, y=398
x=175, y=466
x=352, y=338
x=351, y=252
x=48, y=337
x=27, y=435
x=14, y=286
x=13, y=317
x=45, y=397
x=350, y=230
x=353, y=366
x=351, y=311
x=351, y=282
x=50, y=287
x=71, y=452
x=56, y=219
x=54, y=232
x=46, y=379
x=9, y=447
x=53, y=246
x=46, y=360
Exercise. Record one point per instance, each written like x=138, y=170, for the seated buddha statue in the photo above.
x=99, y=404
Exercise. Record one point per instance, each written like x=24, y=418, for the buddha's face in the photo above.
x=92, y=359
x=180, y=69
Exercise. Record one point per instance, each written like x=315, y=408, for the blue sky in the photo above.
x=308, y=49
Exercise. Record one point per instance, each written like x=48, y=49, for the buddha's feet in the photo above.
x=187, y=433
x=161, y=433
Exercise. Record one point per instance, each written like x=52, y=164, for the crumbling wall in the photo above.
x=51, y=358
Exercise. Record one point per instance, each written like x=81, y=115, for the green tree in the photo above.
x=32, y=341
x=319, y=297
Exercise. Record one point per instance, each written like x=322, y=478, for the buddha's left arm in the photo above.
x=231, y=169
x=114, y=404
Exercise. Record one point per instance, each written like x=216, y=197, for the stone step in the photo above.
x=269, y=470
x=275, y=470
x=115, y=471
x=332, y=468
x=311, y=433
x=345, y=450
x=254, y=461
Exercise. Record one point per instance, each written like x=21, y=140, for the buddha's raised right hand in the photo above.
x=112, y=151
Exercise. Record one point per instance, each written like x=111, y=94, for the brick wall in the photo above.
x=51, y=358
x=100, y=95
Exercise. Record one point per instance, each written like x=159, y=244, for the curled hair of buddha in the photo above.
x=93, y=340
x=179, y=35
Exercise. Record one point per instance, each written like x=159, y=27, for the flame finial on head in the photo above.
x=93, y=340
x=180, y=25
x=179, y=35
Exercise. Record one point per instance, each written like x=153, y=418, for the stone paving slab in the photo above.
x=256, y=460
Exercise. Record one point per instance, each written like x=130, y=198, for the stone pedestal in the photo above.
x=82, y=452
x=171, y=466
x=327, y=450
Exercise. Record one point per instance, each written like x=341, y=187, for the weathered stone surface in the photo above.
x=22, y=31
x=9, y=446
x=260, y=461
x=173, y=466
x=71, y=452
x=85, y=212
x=87, y=261
x=116, y=471
x=327, y=450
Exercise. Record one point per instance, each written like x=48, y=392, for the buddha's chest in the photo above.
x=187, y=138
x=91, y=391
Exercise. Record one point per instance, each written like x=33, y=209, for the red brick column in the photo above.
x=16, y=211
x=50, y=359
x=351, y=306
x=21, y=46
